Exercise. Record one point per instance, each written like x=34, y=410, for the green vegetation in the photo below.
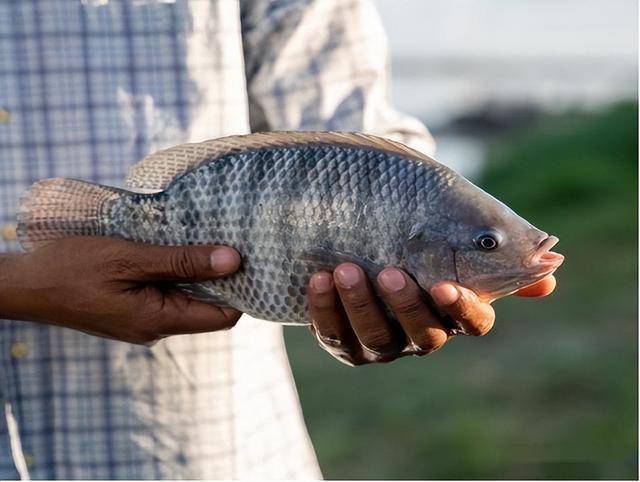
x=552, y=391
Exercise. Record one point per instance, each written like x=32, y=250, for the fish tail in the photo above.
x=58, y=208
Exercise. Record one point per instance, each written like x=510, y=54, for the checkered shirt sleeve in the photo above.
x=322, y=65
x=87, y=88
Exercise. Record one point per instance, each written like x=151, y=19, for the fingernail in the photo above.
x=392, y=280
x=224, y=260
x=347, y=275
x=321, y=282
x=445, y=294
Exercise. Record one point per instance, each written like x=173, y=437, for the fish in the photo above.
x=295, y=203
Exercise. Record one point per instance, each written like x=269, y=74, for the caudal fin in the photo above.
x=58, y=208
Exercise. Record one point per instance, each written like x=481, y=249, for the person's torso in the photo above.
x=87, y=88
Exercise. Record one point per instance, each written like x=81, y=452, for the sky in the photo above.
x=452, y=56
x=506, y=28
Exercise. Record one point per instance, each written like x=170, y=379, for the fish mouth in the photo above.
x=543, y=261
x=539, y=265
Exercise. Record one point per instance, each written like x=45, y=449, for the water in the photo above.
x=452, y=58
x=464, y=154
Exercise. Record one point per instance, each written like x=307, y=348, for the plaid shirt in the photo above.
x=86, y=89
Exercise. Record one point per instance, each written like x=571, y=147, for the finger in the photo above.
x=181, y=315
x=181, y=263
x=367, y=319
x=543, y=287
x=329, y=322
x=464, y=306
x=420, y=324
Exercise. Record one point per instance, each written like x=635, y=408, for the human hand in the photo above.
x=115, y=288
x=351, y=325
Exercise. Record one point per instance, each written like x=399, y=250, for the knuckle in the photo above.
x=476, y=322
x=438, y=339
x=466, y=312
x=410, y=307
x=322, y=303
x=182, y=264
x=357, y=303
x=432, y=341
x=378, y=342
x=121, y=267
x=482, y=328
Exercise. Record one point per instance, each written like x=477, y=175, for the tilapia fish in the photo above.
x=293, y=203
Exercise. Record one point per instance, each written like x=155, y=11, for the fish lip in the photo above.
x=548, y=243
x=539, y=265
x=543, y=259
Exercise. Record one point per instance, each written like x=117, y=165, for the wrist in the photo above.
x=12, y=295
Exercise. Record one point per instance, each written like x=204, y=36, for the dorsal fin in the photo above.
x=156, y=170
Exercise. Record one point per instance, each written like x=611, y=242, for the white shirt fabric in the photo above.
x=87, y=88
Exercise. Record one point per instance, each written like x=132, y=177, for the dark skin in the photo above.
x=350, y=323
x=114, y=288
x=122, y=290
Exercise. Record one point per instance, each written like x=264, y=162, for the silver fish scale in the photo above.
x=289, y=211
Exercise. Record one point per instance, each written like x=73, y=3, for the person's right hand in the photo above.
x=350, y=323
x=116, y=289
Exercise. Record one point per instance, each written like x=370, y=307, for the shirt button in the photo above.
x=9, y=232
x=30, y=460
x=19, y=350
x=5, y=116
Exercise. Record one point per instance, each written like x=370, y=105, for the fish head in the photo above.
x=479, y=242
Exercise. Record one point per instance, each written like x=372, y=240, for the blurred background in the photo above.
x=537, y=103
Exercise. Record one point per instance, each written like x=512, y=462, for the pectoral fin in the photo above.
x=202, y=292
x=328, y=259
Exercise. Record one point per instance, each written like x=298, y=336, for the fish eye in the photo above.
x=488, y=241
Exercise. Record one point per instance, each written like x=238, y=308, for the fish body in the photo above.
x=296, y=203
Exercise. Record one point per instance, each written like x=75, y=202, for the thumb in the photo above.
x=185, y=263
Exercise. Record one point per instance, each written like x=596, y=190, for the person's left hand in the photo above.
x=351, y=324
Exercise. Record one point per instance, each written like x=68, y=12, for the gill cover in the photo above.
x=429, y=257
